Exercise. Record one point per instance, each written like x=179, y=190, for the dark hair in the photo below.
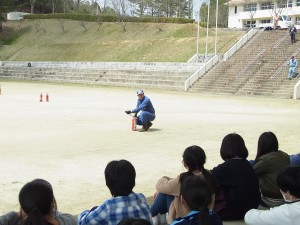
x=39, y=180
x=197, y=195
x=194, y=158
x=267, y=142
x=233, y=145
x=120, y=177
x=134, y=221
x=288, y=179
x=36, y=199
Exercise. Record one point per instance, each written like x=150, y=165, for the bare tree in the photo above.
x=120, y=6
x=100, y=22
x=138, y=7
x=102, y=5
x=32, y=3
x=83, y=25
x=37, y=24
x=54, y=5
x=121, y=9
x=251, y=7
x=62, y=24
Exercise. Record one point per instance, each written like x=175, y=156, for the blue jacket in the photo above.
x=144, y=105
x=293, y=63
x=192, y=218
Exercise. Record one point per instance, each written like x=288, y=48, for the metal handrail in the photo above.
x=239, y=44
x=200, y=72
x=250, y=63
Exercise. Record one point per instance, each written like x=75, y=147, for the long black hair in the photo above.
x=267, y=142
x=197, y=194
x=36, y=199
x=194, y=158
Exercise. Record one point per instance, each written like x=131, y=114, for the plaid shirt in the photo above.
x=115, y=209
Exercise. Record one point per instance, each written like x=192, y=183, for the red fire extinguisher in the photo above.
x=133, y=123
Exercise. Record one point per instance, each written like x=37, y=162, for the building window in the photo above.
x=235, y=9
x=249, y=23
x=250, y=7
x=265, y=21
x=285, y=3
x=268, y=5
x=298, y=3
x=297, y=21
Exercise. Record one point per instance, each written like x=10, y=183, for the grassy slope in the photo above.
x=140, y=42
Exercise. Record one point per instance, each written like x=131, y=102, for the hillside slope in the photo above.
x=44, y=40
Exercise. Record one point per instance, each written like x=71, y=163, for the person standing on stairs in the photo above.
x=293, y=32
x=293, y=63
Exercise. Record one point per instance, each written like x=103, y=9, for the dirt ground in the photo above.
x=70, y=139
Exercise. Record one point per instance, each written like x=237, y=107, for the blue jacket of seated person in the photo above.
x=192, y=218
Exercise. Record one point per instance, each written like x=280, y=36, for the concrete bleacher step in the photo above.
x=171, y=76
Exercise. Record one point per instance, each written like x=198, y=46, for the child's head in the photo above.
x=195, y=193
x=120, y=177
x=267, y=142
x=194, y=158
x=288, y=181
x=37, y=200
x=232, y=146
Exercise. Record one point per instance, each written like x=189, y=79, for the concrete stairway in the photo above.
x=258, y=68
x=152, y=75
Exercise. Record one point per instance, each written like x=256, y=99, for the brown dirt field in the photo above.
x=70, y=139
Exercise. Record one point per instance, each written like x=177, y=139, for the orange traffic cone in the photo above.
x=41, y=97
x=47, y=97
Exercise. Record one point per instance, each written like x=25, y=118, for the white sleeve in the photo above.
x=274, y=216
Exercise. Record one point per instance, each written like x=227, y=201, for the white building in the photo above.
x=255, y=13
x=16, y=15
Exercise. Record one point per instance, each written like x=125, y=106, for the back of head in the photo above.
x=36, y=200
x=267, y=142
x=288, y=179
x=194, y=157
x=134, y=221
x=196, y=193
x=120, y=177
x=232, y=146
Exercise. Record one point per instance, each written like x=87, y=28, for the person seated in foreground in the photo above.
x=120, y=179
x=238, y=189
x=134, y=221
x=195, y=196
x=38, y=207
x=287, y=214
x=268, y=162
x=167, y=195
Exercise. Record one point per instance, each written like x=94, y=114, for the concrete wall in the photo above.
x=297, y=91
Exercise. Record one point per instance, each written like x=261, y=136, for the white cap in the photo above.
x=139, y=92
